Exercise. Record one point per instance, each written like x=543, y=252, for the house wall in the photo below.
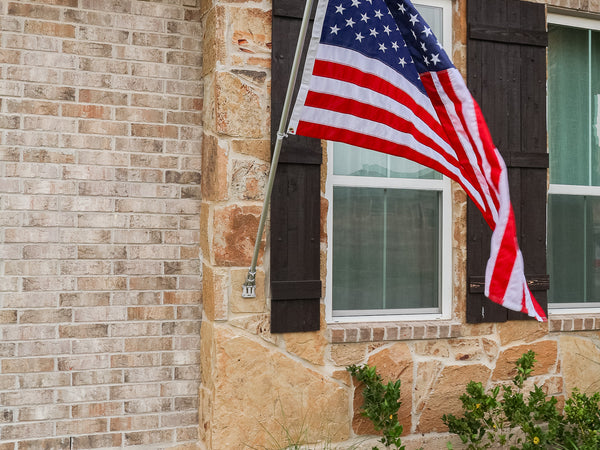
x=100, y=278
x=257, y=386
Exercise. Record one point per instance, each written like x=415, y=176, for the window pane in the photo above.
x=358, y=220
x=404, y=222
x=413, y=227
x=568, y=100
x=595, y=107
x=358, y=162
x=574, y=248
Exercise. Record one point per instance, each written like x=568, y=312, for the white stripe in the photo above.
x=465, y=144
x=374, y=66
x=308, y=65
x=376, y=129
x=365, y=95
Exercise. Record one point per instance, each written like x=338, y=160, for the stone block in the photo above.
x=546, y=354
x=237, y=304
x=215, y=292
x=248, y=179
x=214, y=50
x=259, y=148
x=444, y=395
x=234, y=235
x=215, y=159
x=272, y=393
x=241, y=104
x=580, y=359
x=521, y=330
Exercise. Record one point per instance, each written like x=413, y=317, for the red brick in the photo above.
x=49, y=29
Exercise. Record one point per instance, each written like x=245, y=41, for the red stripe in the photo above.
x=464, y=162
x=507, y=254
x=369, y=112
x=341, y=72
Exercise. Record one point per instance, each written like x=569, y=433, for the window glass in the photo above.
x=386, y=233
x=574, y=196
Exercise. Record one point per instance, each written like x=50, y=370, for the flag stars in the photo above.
x=355, y=3
x=413, y=19
x=395, y=45
x=359, y=37
x=334, y=29
x=423, y=46
x=426, y=61
x=426, y=31
x=401, y=8
x=382, y=48
x=402, y=62
x=373, y=32
x=378, y=14
x=340, y=9
x=387, y=30
x=350, y=23
x=435, y=59
x=364, y=17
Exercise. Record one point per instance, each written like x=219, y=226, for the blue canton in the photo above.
x=391, y=31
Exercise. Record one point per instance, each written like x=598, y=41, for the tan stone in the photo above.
x=392, y=363
x=348, y=354
x=257, y=324
x=215, y=292
x=234, y=235
x=215, y=157
x=261, y=393
x=309, y=346
x=491, y=348
x=238, y=304
x=521, y=330
x=214, y=50
x=546, y=353
x=467, y=349
x=435, y=348
x=259, y=148
x=427, y=373
x=241, y=105
x=445, y=393
x=251, y=31
x=580, y=361
x=248, y=179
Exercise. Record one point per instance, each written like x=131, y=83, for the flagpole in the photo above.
x=249, y=286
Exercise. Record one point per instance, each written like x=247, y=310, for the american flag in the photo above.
x=377, y=77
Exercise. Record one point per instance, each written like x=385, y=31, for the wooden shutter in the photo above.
x=295, y=203
x=506, y=69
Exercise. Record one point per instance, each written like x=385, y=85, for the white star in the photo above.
x=373, y=32
x=402, y=62
x=364, y=17
x=355, y=3
x=395, y=46
x=413, y=33
x=378, y=14
x=350, y=23
x=359, y=37
x=435, y=58
x=413, y=19
x=425, y=60
x=423, y=46
x=334, y=29
x=387, y=30
x=340, y=9
x=370, y=2
x=382, y=47
x=401, y=8
x=427, y=31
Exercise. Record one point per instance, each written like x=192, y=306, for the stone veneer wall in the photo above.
x=255, y=385
x=100, y=281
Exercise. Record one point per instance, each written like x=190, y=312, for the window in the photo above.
x=574, y=134
x=389, y=227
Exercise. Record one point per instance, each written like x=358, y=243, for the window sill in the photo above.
x=573, y=322
x=392, y=331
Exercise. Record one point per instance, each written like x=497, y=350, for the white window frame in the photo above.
x=443, y=186
x=566, y=189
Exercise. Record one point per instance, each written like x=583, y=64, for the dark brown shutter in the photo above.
x=295, y=203
x=506, y=70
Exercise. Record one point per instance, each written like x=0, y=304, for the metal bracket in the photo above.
x=249, y=286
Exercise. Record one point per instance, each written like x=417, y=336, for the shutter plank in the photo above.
x=506, y=69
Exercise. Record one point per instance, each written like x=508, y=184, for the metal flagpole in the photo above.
x=249, y=287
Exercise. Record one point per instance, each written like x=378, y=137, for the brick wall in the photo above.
x=100, y=281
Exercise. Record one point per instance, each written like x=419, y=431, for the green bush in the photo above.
x=381, y=403
x=519, y=421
